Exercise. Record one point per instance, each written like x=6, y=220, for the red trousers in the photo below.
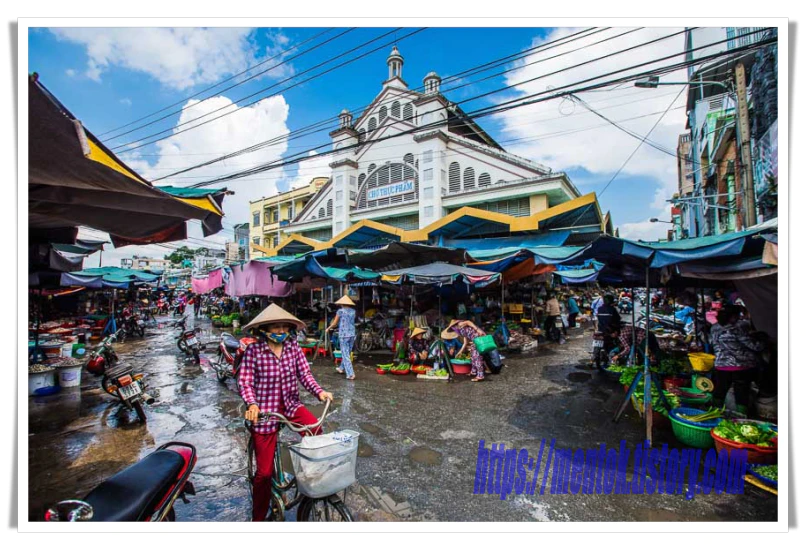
x=265, y=446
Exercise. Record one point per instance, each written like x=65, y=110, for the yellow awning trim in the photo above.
x=99, y=155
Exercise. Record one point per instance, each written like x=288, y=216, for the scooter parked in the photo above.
x=129, y=388
x=187, y=341
x=145, y=491
x=104, y=356
x=230, y=354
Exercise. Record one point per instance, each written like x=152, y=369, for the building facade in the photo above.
x=242, y=238
x=737, y=91
x=145, y=264
x=272, y=215
x=413, y=162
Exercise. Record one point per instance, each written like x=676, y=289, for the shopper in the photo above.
x=573, y=311
x=345, y=320
x=267, y=382
x=736, y=360
x=467, y=331
x=552, y=312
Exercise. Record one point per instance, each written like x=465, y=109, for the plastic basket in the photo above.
x=691, y=435
x=701, y=362
x=675, y=413
x=326, y=469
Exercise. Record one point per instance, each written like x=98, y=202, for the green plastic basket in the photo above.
x=695, y=401
x=693, y=436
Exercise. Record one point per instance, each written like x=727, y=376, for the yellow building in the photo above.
x=271, y=215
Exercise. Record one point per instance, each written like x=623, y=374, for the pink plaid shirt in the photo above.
x=272, y=383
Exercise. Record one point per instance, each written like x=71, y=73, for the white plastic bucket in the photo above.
x=69, y=377
x=39, y=380
x=67, y=350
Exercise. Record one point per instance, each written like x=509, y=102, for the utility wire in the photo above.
x=519, y=102
x=297, y=45
x=138, y=145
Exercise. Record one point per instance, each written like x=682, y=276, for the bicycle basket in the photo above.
x=325, y=464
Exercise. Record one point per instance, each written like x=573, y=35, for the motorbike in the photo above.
x=145, y=491
x=134, y=325
x=178, y=309
x=625, y=306
x=129, y=387
x=598, y=352
x=230, y=354
x=104, y=356
x=187, y=341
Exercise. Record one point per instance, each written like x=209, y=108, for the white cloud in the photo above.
x=179, y=58
x=309, y=169
x=645, y=230
x=601, y=151
x=126, y=101
x=70, y=72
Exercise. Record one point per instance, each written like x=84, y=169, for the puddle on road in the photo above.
x=369, y=428
x=186, y=388
x=457, y=434
x=424, y=455
x=579, y=377
x=365, y=450
x=387, y=503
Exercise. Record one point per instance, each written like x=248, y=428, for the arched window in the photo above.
x=382, y=114
x=372, y=124
x=330, y=207
x=454, y=183
x=396, y=109
x=408, y=111
x=361, y=178
x=470, y=178
x=397, y=172
x=362, y=135
x=321, y=212
x=409, y=158
x=370, y=169
x=484, y=179
x=390, y=172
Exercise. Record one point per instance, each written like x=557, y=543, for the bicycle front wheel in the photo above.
x=323, y=509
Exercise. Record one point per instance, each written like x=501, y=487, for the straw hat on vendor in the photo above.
x=417, y=332
x=449, y=334
x=273, y=315
x=344, y=301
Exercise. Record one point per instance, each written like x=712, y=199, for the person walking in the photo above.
x=598, y=302
x=267, y=382
x=345, y=320
x=552, y=312
x=736, y=357
x=573, y=311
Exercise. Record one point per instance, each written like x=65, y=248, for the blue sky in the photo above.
x=110, y=77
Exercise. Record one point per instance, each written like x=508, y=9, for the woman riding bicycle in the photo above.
x=267, y=382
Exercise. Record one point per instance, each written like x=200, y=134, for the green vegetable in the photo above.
x=770, y=472
x=745, y=433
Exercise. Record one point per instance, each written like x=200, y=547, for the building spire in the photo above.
x=395, y=64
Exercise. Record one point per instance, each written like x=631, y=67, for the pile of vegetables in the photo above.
x=224, y=320
x=386, y=366
x=464, y=356
x=39, y=367
x=400, y=367
x=752, y=434
x=657, y=402
x=441, y=373
x=712, y=414
x=770, y=472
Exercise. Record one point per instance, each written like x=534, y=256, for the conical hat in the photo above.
x=274, y=314
x=417, y=331
x=344, y=301
x=448, y=334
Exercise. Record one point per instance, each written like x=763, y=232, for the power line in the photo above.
x=120, y=149
x=299, y=44
x=287, y=136
x=516, y=103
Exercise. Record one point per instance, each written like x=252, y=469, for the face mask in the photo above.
x=277, y=337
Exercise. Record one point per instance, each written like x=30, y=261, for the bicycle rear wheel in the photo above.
x=323, y=509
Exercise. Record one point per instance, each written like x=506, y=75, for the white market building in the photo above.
x=413, y=167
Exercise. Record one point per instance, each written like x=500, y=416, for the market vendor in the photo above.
x=453, y=344
x=467, y=331
x=418, y=347
x=623, y=337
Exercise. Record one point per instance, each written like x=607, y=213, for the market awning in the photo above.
x=580, y=215
x=106, y=277
x=400, y=255
x=211, y=200
x=439, y=273
x=73, y=179
x=298, y=270
x=554, y=238
x=296, y=244
x=367, y=234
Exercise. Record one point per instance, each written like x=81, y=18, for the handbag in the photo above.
x=484, y=343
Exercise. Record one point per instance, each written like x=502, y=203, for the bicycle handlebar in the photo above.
x=264, y=416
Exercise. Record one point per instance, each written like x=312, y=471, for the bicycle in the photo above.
x=285, y=492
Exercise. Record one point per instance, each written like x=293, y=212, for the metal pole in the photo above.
x=632, y=349
x=743, y=125
x=647, y=375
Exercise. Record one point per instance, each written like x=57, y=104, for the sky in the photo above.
x=167, y=99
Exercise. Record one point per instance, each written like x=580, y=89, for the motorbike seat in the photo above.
x=230, y=342
x=132, y=495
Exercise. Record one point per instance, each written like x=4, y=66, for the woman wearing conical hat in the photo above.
x=345, y=320
x=267, y=382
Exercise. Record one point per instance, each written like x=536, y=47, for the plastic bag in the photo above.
x=493, y=360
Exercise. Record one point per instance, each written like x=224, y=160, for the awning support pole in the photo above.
x=647, y=376
x=632, y=348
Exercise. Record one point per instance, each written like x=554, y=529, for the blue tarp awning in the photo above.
x=440, y=273
x=297, y=270
x=553, y=238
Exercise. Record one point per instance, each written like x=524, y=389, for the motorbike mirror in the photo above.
x=70, y=510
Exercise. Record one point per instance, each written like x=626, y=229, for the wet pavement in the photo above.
x=418, y=446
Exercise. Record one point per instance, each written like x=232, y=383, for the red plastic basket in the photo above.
x=381, y=371
x=400, y=372
x=461, y=369
x=755, y=454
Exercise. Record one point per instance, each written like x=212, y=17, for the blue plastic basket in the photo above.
x=767, y=481
x=675, y=413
